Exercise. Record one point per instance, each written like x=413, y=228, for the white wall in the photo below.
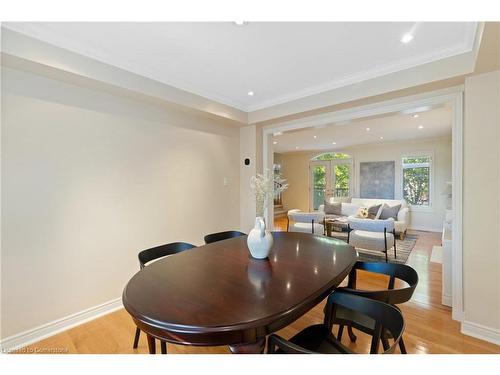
x=247, y=198
x=295, y=170
x=88, y=180
x=481, y=206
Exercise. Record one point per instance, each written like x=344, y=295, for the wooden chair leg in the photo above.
x=136, y=338
x=385, y=341
x=151, y=344
x=402, y=346
x=163, y=347
x=339, y=334
x=351, y=334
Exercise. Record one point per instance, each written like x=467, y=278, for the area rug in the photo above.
x=403, y=247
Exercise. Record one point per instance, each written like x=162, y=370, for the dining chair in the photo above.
x=391, y=295
x=319, y=338
x=214, y=237
x=149, y=255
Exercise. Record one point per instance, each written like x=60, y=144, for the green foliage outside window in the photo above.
x=332, y=156
x=342, y=177
x=416, y=180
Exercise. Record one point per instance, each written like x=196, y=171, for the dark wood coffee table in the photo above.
x=218, y=295
x=330, y=224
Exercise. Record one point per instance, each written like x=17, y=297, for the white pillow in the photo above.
x=349, y=209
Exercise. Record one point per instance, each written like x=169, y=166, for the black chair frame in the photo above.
x=390, y=295
x=386, y=316
x=149, y=255
x=220, y=236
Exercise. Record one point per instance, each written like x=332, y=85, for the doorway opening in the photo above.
x=330, y=176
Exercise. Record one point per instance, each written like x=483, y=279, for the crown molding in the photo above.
x=454, y=61
x=33, y=50
x=468, y=45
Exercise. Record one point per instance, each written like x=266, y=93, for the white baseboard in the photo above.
x=426, y=229
x=481, y=332
x=446, y=300
x=49, y=329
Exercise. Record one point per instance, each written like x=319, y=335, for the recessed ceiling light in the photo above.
x=250, y=93
x=421, y=127
x=381, y=137
x=407, y=38
x=240, y=23
x=415, y=115
x=275, y=142
x=278, y=133
x=412, y=111
x=367, y=129
x=334, y=143
x=315, y=137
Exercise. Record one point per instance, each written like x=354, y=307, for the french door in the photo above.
x=327, y=179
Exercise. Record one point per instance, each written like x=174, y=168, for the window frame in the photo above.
x=430, y=155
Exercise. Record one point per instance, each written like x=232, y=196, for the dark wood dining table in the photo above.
x=217, y=294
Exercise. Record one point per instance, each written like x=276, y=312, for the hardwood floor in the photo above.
x=429, y=327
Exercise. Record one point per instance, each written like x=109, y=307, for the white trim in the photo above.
x=424, y=228
x=457, y=201
x=466, y=47
x=452, y=95
x=481, y=332
x=432, y=98
x=21, y=51
x=469, y=44
x=49, y=329
x=446, y=300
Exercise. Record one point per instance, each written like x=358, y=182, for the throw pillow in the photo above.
x=333, y=208
x=373, y=211
x=388, y=212
x=362, y=213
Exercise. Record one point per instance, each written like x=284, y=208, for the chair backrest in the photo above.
x=148, y=255
x=214, y=237
x=285, y=346
x=385, y=316
x=371, y=225
x=394, y=271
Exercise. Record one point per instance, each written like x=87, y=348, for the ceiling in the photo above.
x=435, y=123
x=279, y=62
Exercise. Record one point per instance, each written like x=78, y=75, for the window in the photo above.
x=331, y=156
x=417, y=180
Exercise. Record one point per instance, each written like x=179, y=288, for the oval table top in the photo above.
x=218, y=295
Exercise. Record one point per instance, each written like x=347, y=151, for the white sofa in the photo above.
x=350, y=209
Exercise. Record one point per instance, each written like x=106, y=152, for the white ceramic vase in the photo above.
x=259, y=240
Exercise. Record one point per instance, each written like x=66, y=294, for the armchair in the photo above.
x=305, y=222
x=378, y=235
